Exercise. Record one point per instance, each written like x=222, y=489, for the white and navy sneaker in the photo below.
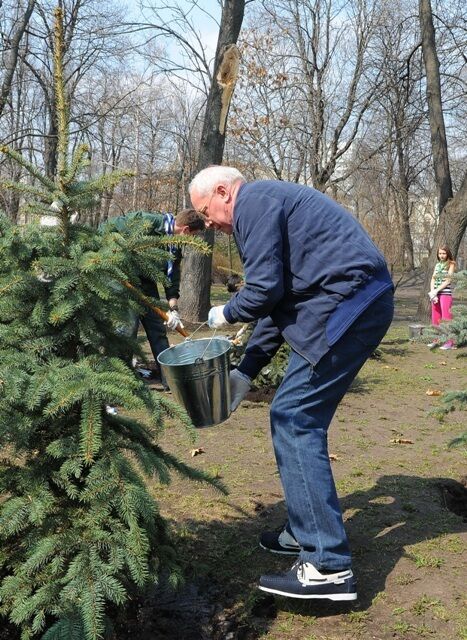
x=305, y=581
x=280, y=541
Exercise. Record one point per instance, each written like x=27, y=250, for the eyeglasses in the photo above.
x=203, y=212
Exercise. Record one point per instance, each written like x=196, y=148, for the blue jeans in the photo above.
x=301, y=412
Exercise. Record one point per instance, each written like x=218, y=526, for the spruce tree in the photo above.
x=79, y=530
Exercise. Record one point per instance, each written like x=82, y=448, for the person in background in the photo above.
x=313, y=278
x=441, y=292
x=187, y=222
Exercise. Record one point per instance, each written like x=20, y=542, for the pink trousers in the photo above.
x=441, y=310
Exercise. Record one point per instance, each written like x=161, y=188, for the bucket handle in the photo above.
x=200, y=358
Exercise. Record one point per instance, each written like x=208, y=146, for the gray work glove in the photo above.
x=240, y=384
x=173, y=320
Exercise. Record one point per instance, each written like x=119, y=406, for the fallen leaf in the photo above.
x=453, y=368
x=443, y=363
x=332, y=456
x=196, y=452
x=434, y=392
x=401, y=441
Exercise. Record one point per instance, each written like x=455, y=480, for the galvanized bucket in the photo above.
x=197, y=372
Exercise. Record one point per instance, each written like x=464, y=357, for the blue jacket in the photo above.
x=309, y=266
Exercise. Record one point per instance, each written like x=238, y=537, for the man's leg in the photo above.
x=300, y=416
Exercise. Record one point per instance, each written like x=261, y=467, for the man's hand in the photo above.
x=216, y=317
x=173, y=320
x=240, y=384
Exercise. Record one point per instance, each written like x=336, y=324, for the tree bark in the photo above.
x=11, y=59
x=452, y=210
x=196, y=270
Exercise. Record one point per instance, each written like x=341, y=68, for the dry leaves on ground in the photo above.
x=196, y=452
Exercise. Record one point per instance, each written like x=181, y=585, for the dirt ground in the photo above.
x=398, y=482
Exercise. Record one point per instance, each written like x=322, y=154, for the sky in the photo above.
x=207, y=26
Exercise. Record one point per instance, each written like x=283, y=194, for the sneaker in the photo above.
x=306, y=582
x=448, y=345
x=280, y=541
x=433, y=345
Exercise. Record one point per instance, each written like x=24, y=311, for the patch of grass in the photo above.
x=424, y=630
x=451, y=543
x=358, y=616
x=402, y=628
x=422, y=605
x=423, y=561
x=379, y=597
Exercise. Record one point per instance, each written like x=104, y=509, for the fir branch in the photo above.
x=90, y=428
x=67, y=628
x=26, y=189
x=30, y=168
x=78, y=161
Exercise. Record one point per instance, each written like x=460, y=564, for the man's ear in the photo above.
x=185, y=230
x=223, y=191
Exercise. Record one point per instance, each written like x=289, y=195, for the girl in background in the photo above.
x=441, y=292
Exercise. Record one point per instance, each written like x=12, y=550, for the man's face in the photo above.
x=216, y=208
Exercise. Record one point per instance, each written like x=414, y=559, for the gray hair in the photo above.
x=206, y=180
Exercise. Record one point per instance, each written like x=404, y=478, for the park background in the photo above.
x=362, y=100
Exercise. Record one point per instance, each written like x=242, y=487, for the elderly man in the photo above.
x=314, y=278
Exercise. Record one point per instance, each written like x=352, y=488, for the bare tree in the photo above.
x=90, y=44
x=452, y=206
x=11, y=43
x=196, y=282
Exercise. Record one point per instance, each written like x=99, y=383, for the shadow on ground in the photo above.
x=223, y=561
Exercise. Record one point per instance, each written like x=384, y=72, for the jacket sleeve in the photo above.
x=262, y=346
x=172, y=286
x=259, y=229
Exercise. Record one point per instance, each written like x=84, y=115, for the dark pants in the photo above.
x=153, y=324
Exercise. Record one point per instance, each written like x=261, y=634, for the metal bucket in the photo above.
x=197, y=372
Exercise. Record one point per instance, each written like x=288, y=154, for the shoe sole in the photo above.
x=281, y=553
x=336, y=597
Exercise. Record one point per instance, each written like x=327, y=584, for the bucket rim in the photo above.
x=228, y=345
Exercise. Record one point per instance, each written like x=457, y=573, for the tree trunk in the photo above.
x=50, y=144
x=404, y=209
x=11, y=58
x=435, y=106
x=453, y=210
x=196, y=273
x=450, y=231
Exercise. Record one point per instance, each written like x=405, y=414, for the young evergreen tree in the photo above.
x=79, y=529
